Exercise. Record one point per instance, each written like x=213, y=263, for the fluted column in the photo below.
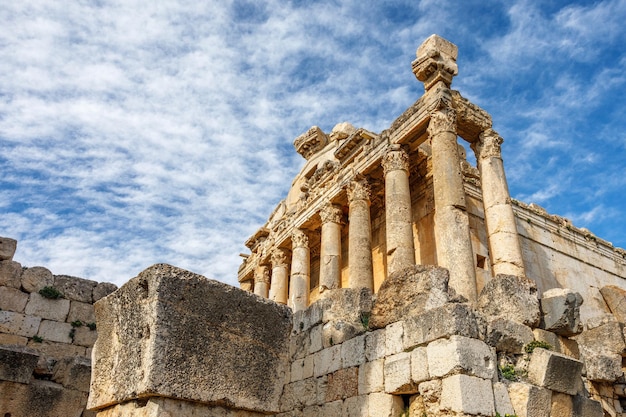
x=262, y=281
x=279, y=290
x=398, y=217
x=300, y=271
x=504, y=247
x=452, y=231
x=361, y=274
x=330, y=248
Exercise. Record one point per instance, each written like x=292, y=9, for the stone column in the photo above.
x=452, y=231
x=300, y=271
x=330, y=248
x=280, y=277
x=398, y=217
x=262, y=280
x=360, y=236
x=504, y=246
x=247, y=285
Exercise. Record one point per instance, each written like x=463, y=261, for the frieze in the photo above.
x=310, y=142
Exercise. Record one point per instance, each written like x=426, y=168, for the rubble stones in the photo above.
x=510, y=297
x=7, y=248
x=561, y=311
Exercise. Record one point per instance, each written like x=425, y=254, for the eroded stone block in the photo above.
x=12, y=299
x=419, y=365
x=501, y=399
x=353, y=352
x=440, y=322
x=529, y=400
x=73, y=288
x=55, y=331
x=561, y=311
x=601, y=349
x=102, y=289
x=35, y=278
x=327, y=360
x=82, y=312
x=375, y=345
x=460, y=354
x=342, y=384
x=10, y=274
x=467, y=394
x=615, y=298
x=384, y=405
x=394, y=341
x=41, y=399
x=51, y=309
x=508, y=335
x=555, y=371
x=18, y=324
x=371, y=377
x=17, y=364
x=7, y=248
x=356, y=406
x=510, y=297
x=398, y=374
x=585, y=407
x=73, y=373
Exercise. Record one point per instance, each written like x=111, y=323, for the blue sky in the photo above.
x=135, y=132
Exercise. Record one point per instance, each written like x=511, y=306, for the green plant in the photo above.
x=405, y=412
x=37, y=339
x=506, y=415
x=92, y=326
x=529, y=348
x=51, y=293
x=508, y=372
x=72, y=333
x=365, y=320
x=77, y=323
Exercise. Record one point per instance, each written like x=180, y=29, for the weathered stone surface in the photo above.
x=12, y=339
x=419, y=365
x=467, y=394
x=52, y=309
x=394, y=338
x=7, y=248
x=353, y=352
x=508, y=335
x=601, y=349
x=342, y=384
x=615, y=298
x=41, y=399
x=558, y=343
x=83, y=312
x=375, y=345
x=12, y=299
x=510, y=297
x=356, y=406
x=55, y=331
x=169, y=407
x=346, y=304
x=102, y=289
x=585, y=407
x=327, y=360
x=371, y=377
x=36, y=278
x=408, y=292
x=165, y=331
x=444, y=321
x=555, y=371
x=529, y=400
x=562, y=405
x=73, y=373
x=73, y=288
x=56, y=351
x=18, y=324
x=461, y=355
x=384, y=405
x=17, y=364
x=398, y=374
x=603, y=367
x=561, y=311
x=501, y=399
x=10, y=274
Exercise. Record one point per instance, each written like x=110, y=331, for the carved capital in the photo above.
x=310, y=142
x=331, y=213
x=262, y=274
x=394, y=160
x=436, y=61
x=358, y=190
x=442, y=120
x=488, y=145
x=299, y=239
x=280, y=257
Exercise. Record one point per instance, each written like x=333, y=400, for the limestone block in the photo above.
x=384, y=405
x=561, y=311
x=346, y=304
x=321, y=387
x=102, y=289
x=603, y=367
x=170, y=407
x=409, y=292
x=555, y=371
x=304, y=392
x=529, y=400
x=51, y=309
x=7, y=248
x=41, y=399
x=312, y=411
x=18, y=324
x=332, y=409
x=10, y=274
x=371, y=377
x=615, y=298
x=394, y=341
x=56, y=351
x=467, y=394
x=77, y=289
x=460, y=354
x=508, y=335
x=510, y=297
x=562, y=405
x=17, y=364
x=585, y=407
x=440, y=322
x=84, y=336
x=601, y=349
x=11, y=339
x=55, y=331
x=356, y=407
x=327, y=360
x=12, y=299
x=315, y=338
x=299, y=345
x=342, y=384
x=501, y=399
x=169, y=332
x=36, y=278
x=375, y=345
x=559, y=344
x=73, y=373
x=303, y=320
x=83, y=312
x=419, y=365
x=398, y=374
x=338, y=331
x=353, y=352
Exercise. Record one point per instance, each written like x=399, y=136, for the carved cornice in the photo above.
x=488, y=145
x=280, y=257
x=331, y=213
x=442, y=120
x=299, y=239
x=358, y=190
x=310, y=142
x=471, y=120
x=394, y=160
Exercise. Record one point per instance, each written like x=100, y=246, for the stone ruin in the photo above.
x=394, y=280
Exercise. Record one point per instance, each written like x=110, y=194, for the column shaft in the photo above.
x=330, y=250
x=300, y=271
x=262, y=281
x=279, y=290
x=360, y=236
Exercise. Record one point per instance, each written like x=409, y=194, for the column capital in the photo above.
x=488, y=145
x=262, y=274
x=331, y=213
x=436, y=62
x=358, y=189
x=299, y=239
x=279, y=257
x=442, y=120
x=395, y=159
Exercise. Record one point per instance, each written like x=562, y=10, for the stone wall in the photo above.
x=45, y=342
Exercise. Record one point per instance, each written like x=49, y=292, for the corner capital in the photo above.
x=436, y=61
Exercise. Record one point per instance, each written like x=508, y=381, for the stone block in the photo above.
x=394, y=340
x=375, y=345
x=73, y=373
x=529, y=400
x=555, y=371
x=419, y=365
x=82, y=312
x=372, y=377
x=56, y=351
x=346, y=304
x=562, y=405
x=327, y=361
x=467, y=394
x=356, y=407
x=18, y=324
x=558, y=343
x=303, y=320
x=304, y=392
x=55, y=331
x=12, y=339
x=7, y=248
x=561, y=311
x=17, y=364
x=36, y=278
x=76, y=289
x=440, y=322
x=102, y=289
x=398, y=374
x=51, y=309
x=169, y=332
x=312, y=411
x=603, y=367
x=409, y=292
x=585, y=407
x=510, y=297
x=353, y=352
x=170, y=407
x=615, y=299
x=501, y=399
x=84, y=336
x=331, y=409
x=40, y=399
x=315, y=339
x=338, y=331
x=508, y=335
x=461, y=355
x=601, y=349
x=321, y=387
x=12, y=299
x=10, y=274
x=299, y=345
x=342, y=384
x=384, y=405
